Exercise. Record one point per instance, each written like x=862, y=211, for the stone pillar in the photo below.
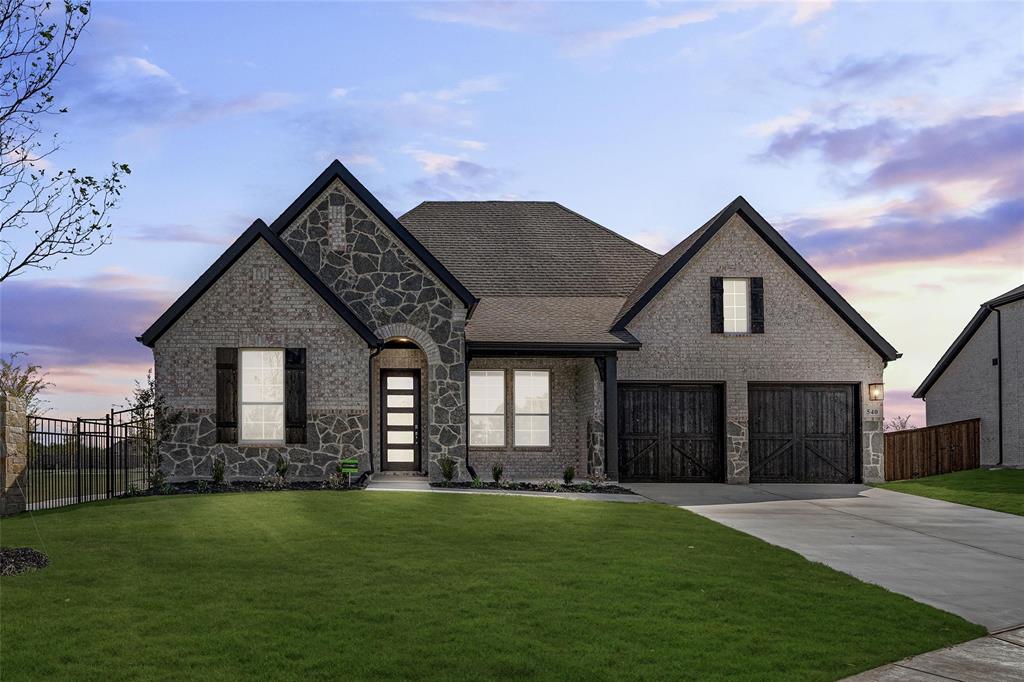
x=611, y=417
x=737, y=446
x=13, y=454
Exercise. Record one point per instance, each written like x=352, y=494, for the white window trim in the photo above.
x=517, y=413
x=241, y=404
x=746, y=304
x=503, y=414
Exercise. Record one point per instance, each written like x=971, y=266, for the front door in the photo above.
x=400, y=419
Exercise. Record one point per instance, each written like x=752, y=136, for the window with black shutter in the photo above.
x=295, y=395
x=227, y=395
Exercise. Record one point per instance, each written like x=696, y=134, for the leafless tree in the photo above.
x=898, y=423
x=46, y=215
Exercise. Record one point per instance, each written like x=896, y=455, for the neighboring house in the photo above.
x=339, y=331
x=982, y=376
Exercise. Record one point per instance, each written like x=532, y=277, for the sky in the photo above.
x=885, y=141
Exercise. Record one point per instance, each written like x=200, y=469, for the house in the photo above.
x=982, y=376
x=519, y=333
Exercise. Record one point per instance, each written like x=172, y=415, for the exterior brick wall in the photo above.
x=571, y=402
x=969, y=388
x=261, y=302
x=388, y=288
x=804, y=341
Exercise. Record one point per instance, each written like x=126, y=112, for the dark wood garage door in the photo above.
x=803, y=433
x=670, y=432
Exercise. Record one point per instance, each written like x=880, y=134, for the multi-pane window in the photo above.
x=261, y=394
x=487, y=407
x=533, y=407
x=735, y=305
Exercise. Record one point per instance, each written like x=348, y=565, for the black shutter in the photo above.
x=227, y=395
x=295, y=395
x=717, y=308
x=757, y=305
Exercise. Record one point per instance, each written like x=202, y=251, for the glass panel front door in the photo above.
x=400, y=419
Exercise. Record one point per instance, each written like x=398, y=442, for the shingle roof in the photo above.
x=965, y=336
x=528, y=248
x=546, y=320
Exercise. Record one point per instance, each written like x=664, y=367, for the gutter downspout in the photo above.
x=369, y=399
x=999, y=375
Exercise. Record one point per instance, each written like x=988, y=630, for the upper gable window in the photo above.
x=736, y=305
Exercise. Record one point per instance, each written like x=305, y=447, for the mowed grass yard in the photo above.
x=327, y=585
x=997, y=489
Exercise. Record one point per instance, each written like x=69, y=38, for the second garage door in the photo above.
x=803, y=433
x=670, y=432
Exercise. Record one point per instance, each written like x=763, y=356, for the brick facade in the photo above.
x=573, y=408
x=804, y=340
x=261, y=302
x=969, y=387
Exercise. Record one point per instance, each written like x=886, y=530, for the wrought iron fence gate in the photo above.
x=79, y=460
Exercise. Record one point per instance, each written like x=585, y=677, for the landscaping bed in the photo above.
x=15, y=560
x=544, y=487
x=204, y=487
x=313, y=585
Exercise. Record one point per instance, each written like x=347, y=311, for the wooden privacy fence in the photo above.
x=933, y=450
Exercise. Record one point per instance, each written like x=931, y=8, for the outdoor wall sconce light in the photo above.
x=876, y=391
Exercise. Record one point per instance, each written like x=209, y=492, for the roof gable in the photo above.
x=676, y=259
x=258, y=230
x=965, y=337
x=528, y=248
x=338, y=171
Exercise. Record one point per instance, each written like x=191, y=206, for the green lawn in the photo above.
x=998, y=489
x=324, y=585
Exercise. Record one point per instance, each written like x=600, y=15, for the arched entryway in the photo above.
x=400, y=399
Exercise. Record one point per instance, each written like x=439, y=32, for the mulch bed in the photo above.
x=206, y=487
x=15, y=560
x=551, y=487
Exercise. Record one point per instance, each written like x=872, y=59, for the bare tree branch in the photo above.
x=45, y=216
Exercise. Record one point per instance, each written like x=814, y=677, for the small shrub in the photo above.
x=132, y=491
x=218, y=472
x=337, y=480
x=586, y=487
x=274, y=482
x=597, y=480
x=496, y=471
x=447, y=465
x=551, y=486
x=166, y=489
x=281, y=467
x=202, y=487
x=568, y=473
x=156, y=479
x=477, y=483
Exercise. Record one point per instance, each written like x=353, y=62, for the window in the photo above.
x=532, y=392
x=262, y=394
x=735, y=307
x=487, y=408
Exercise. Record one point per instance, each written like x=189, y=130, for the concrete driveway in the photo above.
x=961, y=559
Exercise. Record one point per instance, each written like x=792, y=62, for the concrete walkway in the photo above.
x=961, y=559
x=998, y=658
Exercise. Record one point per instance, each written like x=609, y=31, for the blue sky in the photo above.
x=886, y=141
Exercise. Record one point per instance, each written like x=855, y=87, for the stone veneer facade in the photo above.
x=397, y=296
x=804, y=341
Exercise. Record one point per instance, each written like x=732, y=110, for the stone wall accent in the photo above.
x=191, y=449
x=387, y=287
x=13, y=454
x=590, y=406
x=804, y=339
x=568, y=426
x=969, y=388
x=261, y=302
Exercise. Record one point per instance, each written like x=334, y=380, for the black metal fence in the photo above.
x=79, y=460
